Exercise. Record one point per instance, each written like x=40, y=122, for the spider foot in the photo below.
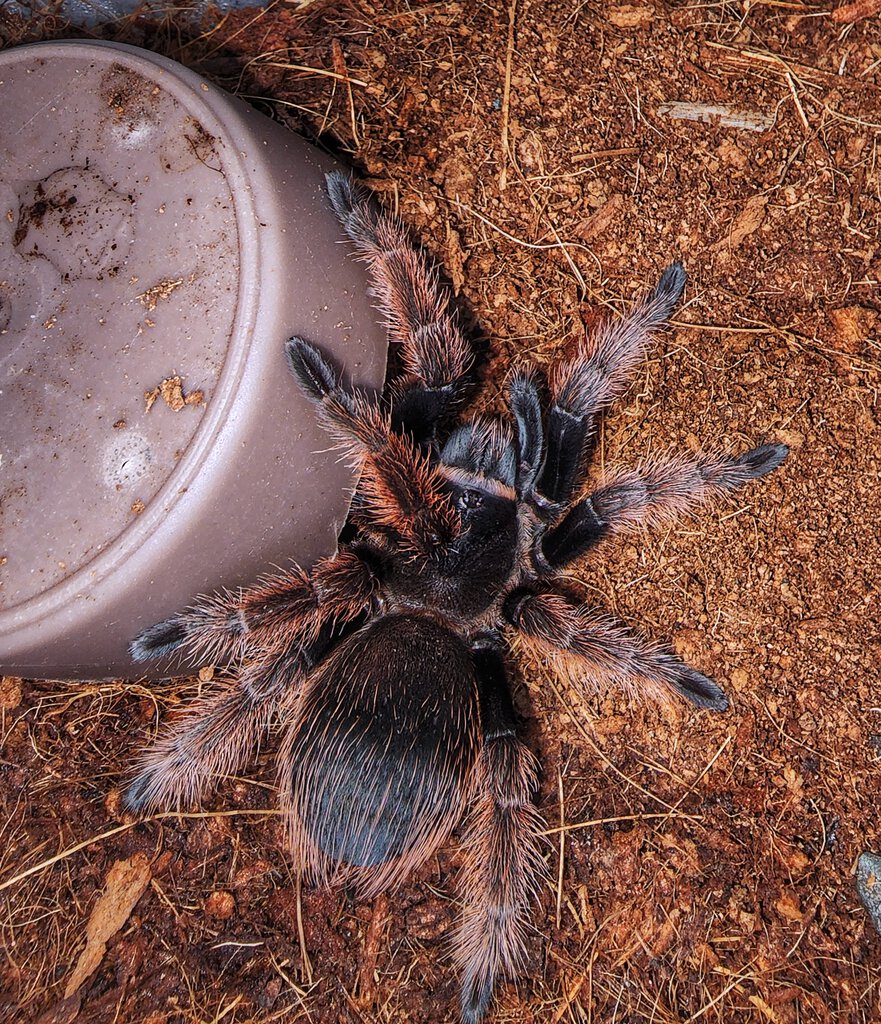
x=209, y=742
x=668, y=291
x=699, y=689
x=211, y=630
x=762, y=460
x=159, y=640
x=314, y=374
x=355, y=207
x=214, y=737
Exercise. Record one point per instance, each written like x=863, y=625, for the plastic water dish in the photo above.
x=159, y=242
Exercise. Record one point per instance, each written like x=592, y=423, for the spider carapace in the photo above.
x=384, y=666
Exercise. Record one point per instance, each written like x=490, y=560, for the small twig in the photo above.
x=621, y=817
x=339, y=61
x=612, y=767
x=704, y=1009
x=227, y=1010
x=163, y=896
x=605, y=154
x=71, y=850
x=722, y=113
x=850, y=120
x=790, y=81
x=850, y=13
x=294, y=987
x=506, y=94
x=562, y=830
x=573, y=266
x=338, y=75
x=366, y=974
x=244, y=28
x=513, y=238
x=576, y=988
x=281, y=103
x=705, y=771
x=307, y=963
x=721, y=328
x=65, y=854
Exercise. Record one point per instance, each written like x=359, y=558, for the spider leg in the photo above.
x=285, y=623
x=586, y=646
x=659, y=492
x=214, y=737
x=279, y=611
x=504, y=866
x=400, y=489
x=584, y=385
x=421, y=318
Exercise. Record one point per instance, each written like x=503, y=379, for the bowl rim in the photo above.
x=219, y=112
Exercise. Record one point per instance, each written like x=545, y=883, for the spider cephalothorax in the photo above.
x=384, y=665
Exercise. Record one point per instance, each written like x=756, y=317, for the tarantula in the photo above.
x=385, y=663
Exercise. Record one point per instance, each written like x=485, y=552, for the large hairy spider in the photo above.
x=385, y=664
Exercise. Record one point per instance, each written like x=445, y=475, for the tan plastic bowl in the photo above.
x=159, y=242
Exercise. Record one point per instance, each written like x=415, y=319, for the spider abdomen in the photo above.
x=377, y=763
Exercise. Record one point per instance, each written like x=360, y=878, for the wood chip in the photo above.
x=220, y=904
x=750, y=219
x=718, y=113
x=125, y=884
x=454, y=263
x=10, y=692
x=599, y=222
x=851, y=326
x=171, y=391
x=629, y=16
x=150, y=298
x=850, y=13
x=788, y=906
x=767, y=1011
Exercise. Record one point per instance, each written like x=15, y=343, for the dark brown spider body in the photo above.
x=385, y=665
x=396, y=701
x=466, y=581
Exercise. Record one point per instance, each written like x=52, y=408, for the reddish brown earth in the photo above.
x=713, y=880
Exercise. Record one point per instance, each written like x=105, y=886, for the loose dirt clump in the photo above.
x=701, y=867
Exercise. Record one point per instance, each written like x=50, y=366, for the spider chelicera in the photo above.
x=384, y=666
